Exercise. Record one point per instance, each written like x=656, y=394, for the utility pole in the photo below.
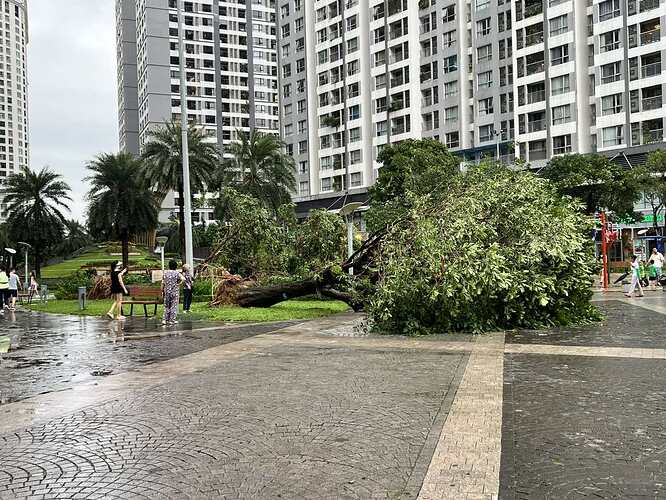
x=187, y=202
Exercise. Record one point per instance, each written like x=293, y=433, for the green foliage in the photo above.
x=320, y=240
x=35, y=202
x=502, y=250
x=410, y=169
x=68, y=288
x=121, y=202
x=76, y=238
x=598, y=182
x=251, y=242
x=259, y=167
x=652, y=178
x=162, y=163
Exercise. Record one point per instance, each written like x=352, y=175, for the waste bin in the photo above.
x=626, y=286
x=82, y=297
x=44, y=293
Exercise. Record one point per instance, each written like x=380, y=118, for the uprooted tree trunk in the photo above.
x=327, y=284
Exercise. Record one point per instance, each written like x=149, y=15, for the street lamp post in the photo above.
x=187, y=202
x=161, y=243
x=27, y=246
x=348, y=213
x=497, y=134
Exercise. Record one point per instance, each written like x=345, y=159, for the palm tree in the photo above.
x=121, y=202
x=163, y=166
x=262, y=168
x=76, y=237
x=35, y=202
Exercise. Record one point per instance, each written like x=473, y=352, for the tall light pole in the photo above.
x=187, y=202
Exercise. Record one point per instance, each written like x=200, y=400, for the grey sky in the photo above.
x=72, y=87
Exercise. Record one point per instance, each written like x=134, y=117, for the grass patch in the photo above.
x=284, y=311
x=97, y=255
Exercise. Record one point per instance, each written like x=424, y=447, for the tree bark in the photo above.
x=361, y=260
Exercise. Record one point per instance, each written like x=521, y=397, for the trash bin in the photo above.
x=626, y=286
x=44, y=293
x=82, y=298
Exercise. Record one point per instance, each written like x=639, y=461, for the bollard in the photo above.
x=82, y=298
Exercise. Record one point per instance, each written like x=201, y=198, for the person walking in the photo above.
x=188, y=288
x=117, y=290
x=14, y=284
x=657, y=259
x=33, y=287
x=170, y=291
x=635, y=278
x=4, y=290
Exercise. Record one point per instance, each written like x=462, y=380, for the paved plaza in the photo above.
x=319, y=410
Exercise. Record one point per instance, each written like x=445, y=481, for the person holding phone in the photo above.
x=117, y=290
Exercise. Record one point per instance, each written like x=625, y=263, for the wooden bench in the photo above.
x=144, y=296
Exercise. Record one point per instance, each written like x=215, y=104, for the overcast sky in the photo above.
x=72, y=87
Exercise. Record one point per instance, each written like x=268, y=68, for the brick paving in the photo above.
x=282, y=422
x=319, y=411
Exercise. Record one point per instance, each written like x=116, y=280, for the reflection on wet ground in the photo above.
x=53, y=352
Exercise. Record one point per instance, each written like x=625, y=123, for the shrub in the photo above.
x=68, y=288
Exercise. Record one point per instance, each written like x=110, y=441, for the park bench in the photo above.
x=144, y=296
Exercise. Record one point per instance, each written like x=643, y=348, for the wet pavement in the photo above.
x=56, y=352
x=317, y=410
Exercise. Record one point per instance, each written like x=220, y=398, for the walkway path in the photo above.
x=316, y=411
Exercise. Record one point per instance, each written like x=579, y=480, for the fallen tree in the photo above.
x=332, y=282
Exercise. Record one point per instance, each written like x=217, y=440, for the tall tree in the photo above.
x=653, y=182
x=36, y=202
x=261, y=168
x=410, y=168
x=163, y=164
x=76, y=237
x=597, y=181
x=120, y=200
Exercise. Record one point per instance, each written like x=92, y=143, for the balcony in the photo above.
x=650, y=70
x=651, y=36
x=533, y=38
x=536, y=96
x=533, y=10
x=535, y=67
x=536, y=126
x=650, y=103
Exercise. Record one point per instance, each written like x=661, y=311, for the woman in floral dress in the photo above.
x=170, y=290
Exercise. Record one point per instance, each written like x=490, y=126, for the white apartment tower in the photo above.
x=14, y=145
x=526, y=78
x=231, y=61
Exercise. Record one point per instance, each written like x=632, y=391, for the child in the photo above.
x=652, y=273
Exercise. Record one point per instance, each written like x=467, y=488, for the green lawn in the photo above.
x=70, y=266
x=289, y=310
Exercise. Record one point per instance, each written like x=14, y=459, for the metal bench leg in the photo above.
x=155, y=313
x=145, y=311
x=131, y=309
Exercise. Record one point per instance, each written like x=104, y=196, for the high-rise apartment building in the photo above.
x=526, y=78
x=14, y=145
x=231, y=63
